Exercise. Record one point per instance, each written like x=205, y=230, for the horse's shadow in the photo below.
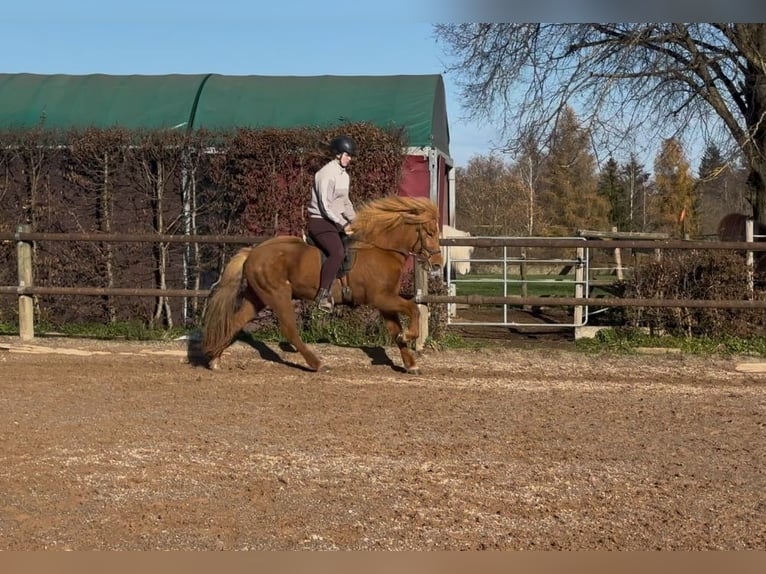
x=379, y=356
x=197, y=358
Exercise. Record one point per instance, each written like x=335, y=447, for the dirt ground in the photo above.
x=129, y=446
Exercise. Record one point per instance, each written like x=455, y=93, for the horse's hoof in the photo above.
x=319, y=368
x=413, y=371
x=214, y=365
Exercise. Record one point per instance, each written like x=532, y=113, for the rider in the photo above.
x=330, y=212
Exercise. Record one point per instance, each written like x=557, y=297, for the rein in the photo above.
x=422, y=254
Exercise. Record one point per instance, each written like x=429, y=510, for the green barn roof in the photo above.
x=214, y=101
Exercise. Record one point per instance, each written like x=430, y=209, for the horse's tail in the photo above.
x=221, y=306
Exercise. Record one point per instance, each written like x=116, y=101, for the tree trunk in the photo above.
x=755, y=148
x=758, y=190
x=33, y=156
x=162, y=306
x=106, y=227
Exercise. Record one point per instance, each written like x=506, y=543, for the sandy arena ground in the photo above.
x=129, y=446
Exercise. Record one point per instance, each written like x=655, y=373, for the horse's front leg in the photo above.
x=393, y=305
x=412, y=312
x=394, y=326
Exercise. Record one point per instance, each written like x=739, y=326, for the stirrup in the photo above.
x=324, y=300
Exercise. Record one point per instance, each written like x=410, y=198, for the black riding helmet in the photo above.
x=343, y=144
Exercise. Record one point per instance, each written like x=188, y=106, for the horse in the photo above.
x=732, y=228
x=461, y=252
x=384, y=235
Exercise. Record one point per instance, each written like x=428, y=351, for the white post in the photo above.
x=749, y=224
x=579, y=286
x=618, y=260
x=421, y=289
x=26, y=308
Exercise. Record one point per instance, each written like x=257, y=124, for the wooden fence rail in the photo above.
x=129, y=237
x=25, y=288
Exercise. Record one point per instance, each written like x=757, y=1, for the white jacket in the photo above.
x=331, y=184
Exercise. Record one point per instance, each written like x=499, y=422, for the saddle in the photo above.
x=345, y=267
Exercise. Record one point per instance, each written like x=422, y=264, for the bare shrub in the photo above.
x=696, y=274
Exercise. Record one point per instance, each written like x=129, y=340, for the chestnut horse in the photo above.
x=385, y=233
x=732, y=228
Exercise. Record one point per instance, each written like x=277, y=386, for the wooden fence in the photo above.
x=25, y=288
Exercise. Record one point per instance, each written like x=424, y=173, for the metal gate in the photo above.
x=515, y=276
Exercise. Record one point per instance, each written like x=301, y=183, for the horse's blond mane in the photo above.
x=386, y=213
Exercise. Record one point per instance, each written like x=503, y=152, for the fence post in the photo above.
x=580, y=291
x=749, y=236
x=421, y=289
x=26, y=308
x=617, y=259
x=523, y=275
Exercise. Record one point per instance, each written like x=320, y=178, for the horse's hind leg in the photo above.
x=248, y=310
x=282, y=305
x=394, y=326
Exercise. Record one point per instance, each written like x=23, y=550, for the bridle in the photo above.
x=423, y=254
x=418, y=250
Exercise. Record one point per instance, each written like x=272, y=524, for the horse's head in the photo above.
x=406, y=225
x=426, y=247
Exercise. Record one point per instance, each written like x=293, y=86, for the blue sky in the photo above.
x=287, y=37
x=235, y=37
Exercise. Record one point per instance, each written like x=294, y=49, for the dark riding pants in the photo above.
x=327, y=236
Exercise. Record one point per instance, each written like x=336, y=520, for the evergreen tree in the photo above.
x=611, y=186
x=721, y=189
x=569, y=195
x=712, y=163
x=676, y=203
x=636, y=181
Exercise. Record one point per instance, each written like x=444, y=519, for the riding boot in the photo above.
x=324, y=299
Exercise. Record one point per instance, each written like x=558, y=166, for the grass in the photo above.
x=323, y=329
x=628, y=340
x=132, y=331
x=537, y=285
x=349, y=328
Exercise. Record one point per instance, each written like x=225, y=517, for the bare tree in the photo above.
x=159, y=161
x=489, y=199
x=528, y=169
x=705, y=80
x=91, y=159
